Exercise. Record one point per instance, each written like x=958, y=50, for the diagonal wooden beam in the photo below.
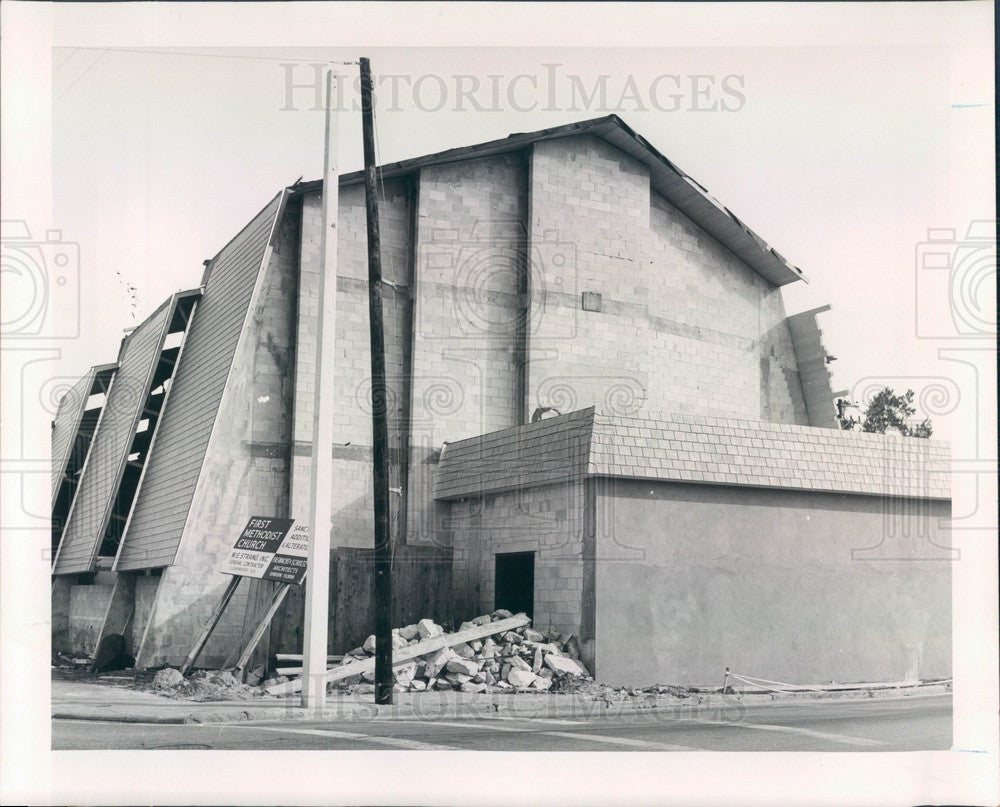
x=410, y=652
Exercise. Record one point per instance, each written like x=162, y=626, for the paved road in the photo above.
x=907, y=724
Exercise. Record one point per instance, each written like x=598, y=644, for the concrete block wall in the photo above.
x=88, y=605
x=467, y=348
x=352, y=519
x=546, y=520
x=145, y=598
x=245, y=473
x=684, y=325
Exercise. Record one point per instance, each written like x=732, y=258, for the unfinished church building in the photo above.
x=599, y=414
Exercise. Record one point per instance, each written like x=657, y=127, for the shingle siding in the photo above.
x=66, y=425
x=91, y=509
x=691, y=448
x=173, y=469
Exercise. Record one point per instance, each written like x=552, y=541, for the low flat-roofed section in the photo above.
x=174, y=465
x=102, y=472
x=691, y=448
x=549, y=451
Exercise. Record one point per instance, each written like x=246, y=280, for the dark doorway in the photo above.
x=515, y=582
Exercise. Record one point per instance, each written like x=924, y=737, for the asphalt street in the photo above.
x=906, y=724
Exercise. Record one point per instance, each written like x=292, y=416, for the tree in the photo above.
x=889, y=411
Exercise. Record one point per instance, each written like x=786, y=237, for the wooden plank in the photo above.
x=410, y=652
x=298, y=657
x=277, y=598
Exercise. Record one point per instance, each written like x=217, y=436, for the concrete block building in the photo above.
x=599, y=413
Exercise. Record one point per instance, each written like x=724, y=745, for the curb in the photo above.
x=662, y=708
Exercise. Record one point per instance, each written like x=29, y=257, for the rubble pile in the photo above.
x=203, y=685
x=523, y=659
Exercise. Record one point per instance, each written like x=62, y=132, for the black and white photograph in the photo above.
x=499, y=403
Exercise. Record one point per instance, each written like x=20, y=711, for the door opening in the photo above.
x=515, y=582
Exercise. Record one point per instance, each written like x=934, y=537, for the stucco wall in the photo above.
x=548, y=521
x=775, y=584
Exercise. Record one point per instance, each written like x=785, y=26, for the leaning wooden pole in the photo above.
x=380, y=428
x=213, y=620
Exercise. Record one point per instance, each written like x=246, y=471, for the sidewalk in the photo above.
x=81, y=700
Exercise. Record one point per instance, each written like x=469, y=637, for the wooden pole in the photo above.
x=199, y=645
x=317, y=595
x=277, y=597
x=380, y=428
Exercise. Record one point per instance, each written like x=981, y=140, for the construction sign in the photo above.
x=270, y=549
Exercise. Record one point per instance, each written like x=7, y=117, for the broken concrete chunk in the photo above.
x=461, y=665
x=470, y=686
x=500, y=613
x=489, y=649
x=476, y=645
x=368, y=676
x=369, y=645
x=167, y=678
x=536, y=663
x=541, y=683
x=442, y=683
x=521, y=678
x=458, y=678
x=564, y=665
x=545, y=672
x=519, y=663
x=410, y=632
x=466, y=626
x=534, y=635
x=464, y=650
x=485, y=619
x=417, y=685
x=479, y=678
x=437, y=662
x=428, y=628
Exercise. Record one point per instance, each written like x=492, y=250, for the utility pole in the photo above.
x=317, y=604
x=380, y=429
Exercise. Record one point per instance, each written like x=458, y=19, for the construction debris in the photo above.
x=496, y=652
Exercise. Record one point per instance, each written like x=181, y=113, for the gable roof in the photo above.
x=666, y=178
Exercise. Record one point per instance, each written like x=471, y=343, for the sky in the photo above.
x=840, y=155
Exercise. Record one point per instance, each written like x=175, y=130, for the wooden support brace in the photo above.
x=410, y=652
x=276, y=599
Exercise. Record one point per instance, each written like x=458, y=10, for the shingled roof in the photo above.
x=694, y=449
x=666, y=178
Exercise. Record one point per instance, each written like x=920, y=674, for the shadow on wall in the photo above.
x=421, y=588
